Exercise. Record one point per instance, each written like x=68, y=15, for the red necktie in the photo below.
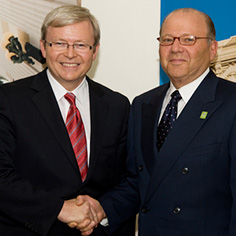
x=75, y=128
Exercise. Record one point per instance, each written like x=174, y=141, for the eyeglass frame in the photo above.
x=68, y=45
x=174, y=38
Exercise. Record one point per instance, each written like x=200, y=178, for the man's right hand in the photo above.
x=96, y=211
x=81, y=216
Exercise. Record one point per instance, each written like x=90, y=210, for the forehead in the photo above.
x=79, y=29
x=179, y=23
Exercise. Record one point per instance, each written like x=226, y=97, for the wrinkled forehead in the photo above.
x=179, y=23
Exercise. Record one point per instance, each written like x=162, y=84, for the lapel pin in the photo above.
x=203, y=115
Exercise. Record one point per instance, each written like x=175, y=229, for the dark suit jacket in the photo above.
x=189, y=187
x=38, y=169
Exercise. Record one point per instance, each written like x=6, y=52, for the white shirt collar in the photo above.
x=188, y=90
x=186, y=93
x=82, y=103
x=59, y=91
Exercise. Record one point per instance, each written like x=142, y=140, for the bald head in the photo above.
x=211, y=32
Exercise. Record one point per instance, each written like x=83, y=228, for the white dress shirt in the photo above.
x=186, y=93
x=82, y=103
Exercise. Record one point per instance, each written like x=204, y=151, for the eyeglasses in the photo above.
x=62, y=46
x=187, y=40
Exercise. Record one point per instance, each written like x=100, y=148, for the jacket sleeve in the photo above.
x=232, y=146
x=122, y=202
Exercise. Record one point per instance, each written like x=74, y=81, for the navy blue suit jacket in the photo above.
x=38, y=169
x=189, y=187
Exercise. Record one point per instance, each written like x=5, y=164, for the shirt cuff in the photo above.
x=104, y=222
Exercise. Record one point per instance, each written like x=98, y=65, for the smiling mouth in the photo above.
x=70, y=64
x=177, y=61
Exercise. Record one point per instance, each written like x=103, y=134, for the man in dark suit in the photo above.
x=183, y=183
x=39, y=174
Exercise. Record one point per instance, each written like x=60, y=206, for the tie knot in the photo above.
x=70, y=97
x=176, y=96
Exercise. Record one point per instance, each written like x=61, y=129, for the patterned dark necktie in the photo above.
x=167, y=119
x=75, y=128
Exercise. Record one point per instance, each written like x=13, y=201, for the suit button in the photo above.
x=185, y=170
x=145, y=210
x=177, y=210
x=140, y=168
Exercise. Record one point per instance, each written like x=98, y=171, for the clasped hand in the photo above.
x=83, y=213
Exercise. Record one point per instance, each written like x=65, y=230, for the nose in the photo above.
x=176, y=46
x=70, y=52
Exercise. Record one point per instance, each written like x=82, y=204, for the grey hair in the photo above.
x=67, y=15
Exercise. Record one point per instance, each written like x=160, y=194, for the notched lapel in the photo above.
x=150, y=116
x=47, y=105
x=99, y=112
x=184, y=130
x=149, y=123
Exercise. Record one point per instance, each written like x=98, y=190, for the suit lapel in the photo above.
x=185, y=129
x=47, y=105
x=150, y=115
x=98, y=110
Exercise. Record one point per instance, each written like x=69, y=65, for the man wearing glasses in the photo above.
x=61, y=135
x=182, y=142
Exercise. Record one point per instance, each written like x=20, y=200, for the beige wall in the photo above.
x=128, y=57
x=128, y=60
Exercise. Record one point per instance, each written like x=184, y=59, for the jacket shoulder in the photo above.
x=151, y=94
x=21, y=84
x=106, y=92
x=226, y=89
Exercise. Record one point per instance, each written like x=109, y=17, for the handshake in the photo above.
x=83, y=213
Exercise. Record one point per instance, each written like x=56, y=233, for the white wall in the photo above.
x=128, y=57
x=128, y=60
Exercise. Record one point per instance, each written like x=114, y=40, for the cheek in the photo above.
x=163, y=57
x=197, y=59
x=197, y=53
x=164, y=51
x=88, y=58
x=53, y=57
